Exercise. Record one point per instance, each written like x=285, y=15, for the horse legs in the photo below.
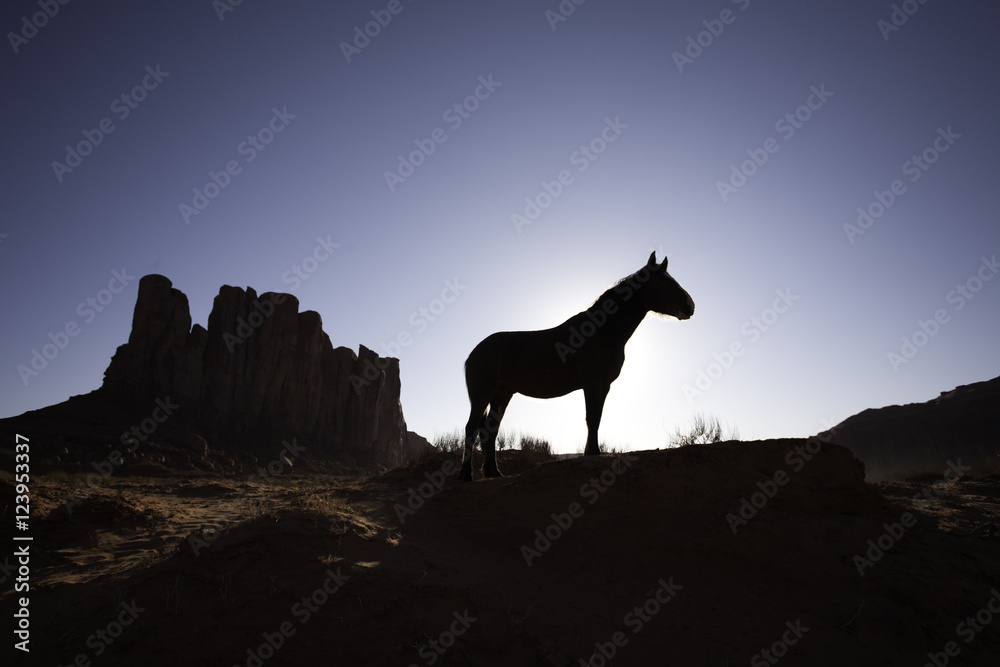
x=593, y=397
x=498, y=405
x=472, y=427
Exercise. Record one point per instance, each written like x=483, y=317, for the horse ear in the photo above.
x=663, y=266
x=652, y=260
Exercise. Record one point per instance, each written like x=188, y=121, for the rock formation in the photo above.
x=418, y=445
x=923, y=437
x=260, y=374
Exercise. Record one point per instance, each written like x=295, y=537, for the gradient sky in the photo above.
x=647, y=107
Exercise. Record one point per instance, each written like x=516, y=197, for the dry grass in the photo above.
x=454, y=441
x=704, y=431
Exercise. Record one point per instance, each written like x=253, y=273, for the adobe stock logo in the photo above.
x=38, y=20
x=298, y=273
x=752, y=329
x=421, y=319
x=968, y=629
x=581, y=158
x=714, y=28
x=878, y=547
x=121, y=106
x=898, y=18
x=635, y=620
x=597, y=316
x=959, y=297
x=363, y=37
x=786, y=125
x=222, y=7
x=250, y=148
x=563, y=521
x=245, y=327
x=434, y=648
x=425, y=490
x=566, y=8
x=915, y=167
x=87, y=310
x=779, y=649
x=454, y=116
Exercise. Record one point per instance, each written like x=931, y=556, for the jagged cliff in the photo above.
x=261, y=371
x=261, y=384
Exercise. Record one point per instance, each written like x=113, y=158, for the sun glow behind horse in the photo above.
x=586, y=352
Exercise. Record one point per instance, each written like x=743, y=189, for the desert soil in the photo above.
x=635, y=559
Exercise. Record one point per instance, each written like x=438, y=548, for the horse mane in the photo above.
x=610, y=292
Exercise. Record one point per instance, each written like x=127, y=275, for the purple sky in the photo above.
x=474, y=167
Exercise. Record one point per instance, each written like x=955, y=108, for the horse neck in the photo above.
x=625, y=320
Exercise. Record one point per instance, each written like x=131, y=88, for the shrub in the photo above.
x=505, y=440
x=535, y=445
x=450, y=442
x=454, y=441
x=704, y=431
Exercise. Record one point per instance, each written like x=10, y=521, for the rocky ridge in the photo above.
x=895, y=439
x=260, y=376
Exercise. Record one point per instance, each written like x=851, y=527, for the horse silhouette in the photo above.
x=584, y=352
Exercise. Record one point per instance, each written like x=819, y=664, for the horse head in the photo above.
x=662, y=294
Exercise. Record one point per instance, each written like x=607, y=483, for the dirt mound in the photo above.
x=732, y=553
x=510, y=462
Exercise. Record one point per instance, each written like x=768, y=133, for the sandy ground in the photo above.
x=635, y=559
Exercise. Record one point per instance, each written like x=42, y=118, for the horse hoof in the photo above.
x=492, y=473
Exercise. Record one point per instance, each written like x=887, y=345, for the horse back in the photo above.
x=523, y=362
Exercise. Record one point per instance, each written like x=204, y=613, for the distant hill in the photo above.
x=922, y=437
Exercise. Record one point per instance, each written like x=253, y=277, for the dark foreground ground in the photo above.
x=728, y=554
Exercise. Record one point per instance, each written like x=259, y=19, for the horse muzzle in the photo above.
x=686, y=311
